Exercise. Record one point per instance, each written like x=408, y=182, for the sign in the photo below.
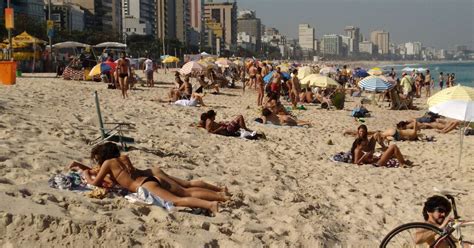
x=9, y=20
x=50, y=28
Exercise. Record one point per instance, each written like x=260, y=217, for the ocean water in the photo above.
x=464, y=70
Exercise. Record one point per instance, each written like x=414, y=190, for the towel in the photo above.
x=143, y=196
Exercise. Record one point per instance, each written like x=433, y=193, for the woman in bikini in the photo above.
x=120, y=170
x=223, y=128
x=260, y=87
x=363, y=150
x=390, y=134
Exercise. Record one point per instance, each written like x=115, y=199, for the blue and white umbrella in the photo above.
x=268, y=77
x=374, y=83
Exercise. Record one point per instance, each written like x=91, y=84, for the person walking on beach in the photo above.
x=148, y=70
x=452, y=80
x=441, y=80
x=123, y=73
x=448, y=80
x=428, y=83
x=260, y=87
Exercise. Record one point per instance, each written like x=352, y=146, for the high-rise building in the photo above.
x=226, y=15
x=67, y=17
x=138, y=17
x=183, y=21
x=347, y=45
x=33, y=9
x=306, y=36
x=248, y=23
x=332, y=44
x=354, y=34
x=196, y=16
x=106, y=14
x=165, y=19
x=366, y=47
x=381, y=40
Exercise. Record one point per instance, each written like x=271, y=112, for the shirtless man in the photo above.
x=253, y=76
x=390, y=134
x=295, y=89
x=123, y=73
x=264, y=69
x=276, y=119
x=435, y=212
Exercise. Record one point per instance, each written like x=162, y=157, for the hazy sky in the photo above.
x=438, y=23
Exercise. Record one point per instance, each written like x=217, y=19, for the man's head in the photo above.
x=404, y=74
x=436, y=209
x=295, y=71
x=123, y=55
x=211, y=114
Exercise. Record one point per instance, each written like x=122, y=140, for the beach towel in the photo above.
x=143, y=196
x=346, y=157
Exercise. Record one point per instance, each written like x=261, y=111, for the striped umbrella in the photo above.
x=376, y=84
x=191, y=67
x=457, y=92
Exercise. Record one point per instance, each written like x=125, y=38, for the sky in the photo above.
x=436, y=23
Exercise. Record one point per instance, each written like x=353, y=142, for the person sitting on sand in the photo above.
x=223, y=128
x=275, y=105
x=121, y=171
x=390, y=134
x=363, y=149
x=183, y=92
x=281, y=120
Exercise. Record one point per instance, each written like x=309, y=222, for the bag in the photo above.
x=359, y=112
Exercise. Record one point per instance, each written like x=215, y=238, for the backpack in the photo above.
x=359, y=112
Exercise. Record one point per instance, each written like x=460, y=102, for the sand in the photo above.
x=287, y=193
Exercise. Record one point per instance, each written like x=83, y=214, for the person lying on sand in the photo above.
x=275, y=105
x=194, y=101
x=283, y=120
x=208, y=119
x=121, y=171
x=363, y=151
x=441, y=126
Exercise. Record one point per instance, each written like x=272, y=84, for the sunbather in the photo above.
x=194, y=101
x=363, y=150
x=284, y=120
x=223, y=128
x=275, y=105
x=441, y=126
x=121, y=171
x=390, y=134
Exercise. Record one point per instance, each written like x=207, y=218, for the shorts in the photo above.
x=123, y=75
x=253, y=76
x=424, y=120
x=149, y=75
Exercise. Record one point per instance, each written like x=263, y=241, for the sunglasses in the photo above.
x=439, y=210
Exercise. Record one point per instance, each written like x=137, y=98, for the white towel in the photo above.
x=143, y=196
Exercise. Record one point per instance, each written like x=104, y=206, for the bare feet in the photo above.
x=214, y=208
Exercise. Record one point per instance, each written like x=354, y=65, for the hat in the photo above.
x=404, y=73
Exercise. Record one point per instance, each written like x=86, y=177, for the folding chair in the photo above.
x=114, y=134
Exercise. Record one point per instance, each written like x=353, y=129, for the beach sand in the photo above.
x=286, y=191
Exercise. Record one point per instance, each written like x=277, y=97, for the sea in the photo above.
x=463, y=70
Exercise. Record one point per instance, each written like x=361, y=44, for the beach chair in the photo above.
x=397, y=102
x=113, y=134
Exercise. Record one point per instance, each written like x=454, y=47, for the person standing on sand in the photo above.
x=123, y=73
x=148, y=70
x=428, y=83
x=295, y=89
x=441, y=80
x=260, y=87
x=448, y=80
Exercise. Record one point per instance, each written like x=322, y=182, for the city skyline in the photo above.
x=455, y=22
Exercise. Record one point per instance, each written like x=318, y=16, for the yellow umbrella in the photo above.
x=458, y=92
x=316, y=80
x=376, y=71
x=170, y=59
x=284, y=67
x=206, y=64
x=304, y=71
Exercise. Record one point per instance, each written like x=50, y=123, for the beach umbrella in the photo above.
x=375, y=84
x=268, y=77
x=284, y=67
x=304, y=71
x=223, y=62
x=327, y=70
x=170, y=59
x=102, y=68
x=191, y=67
x=360, y=73
x=315, y=80
x=458, y=92
x=238, y=62
x=458, y=109
x=376, y=71
x=206, y=64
